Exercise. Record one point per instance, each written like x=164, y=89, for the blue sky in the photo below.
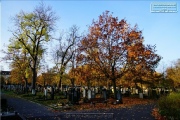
x=161, y=29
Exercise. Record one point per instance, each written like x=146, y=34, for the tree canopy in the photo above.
x=111, y=49
x=32, y=31
x=115, y=47
x=173, y=72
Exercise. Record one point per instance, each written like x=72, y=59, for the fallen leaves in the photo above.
x=157, y=116
x=127, y=103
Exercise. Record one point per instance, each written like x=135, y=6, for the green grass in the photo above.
x=38, y=98
x=8, y=92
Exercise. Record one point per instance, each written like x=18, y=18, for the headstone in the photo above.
x=92, y=94
x=78, y=94
x=75, y=99
x=166, y=91
x=104, y=94
x=124, y=91
x=45, y=92
x=71, y=95
x=96, y=90
x=154, y=93
x=145, y=92
x=140, y=95
x=108, y=94
x=136, y=91
x=52, y=93
x=119, y=97
x=133, y=90
x=162, y=91
x=84, y=92
x=89, y=94
x=65, y=94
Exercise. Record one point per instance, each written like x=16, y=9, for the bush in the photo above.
x=169, y=106
x=3, y=104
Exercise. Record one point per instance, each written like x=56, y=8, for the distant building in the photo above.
x=5, y=73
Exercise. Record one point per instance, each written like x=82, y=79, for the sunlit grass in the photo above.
x=8, y=92
x=38, y=98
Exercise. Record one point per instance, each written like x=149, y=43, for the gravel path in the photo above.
x=34, y=111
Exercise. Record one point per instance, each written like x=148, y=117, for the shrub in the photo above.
x=3, y=104
x=169, y=106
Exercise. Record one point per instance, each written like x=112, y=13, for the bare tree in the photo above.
x=65, y=52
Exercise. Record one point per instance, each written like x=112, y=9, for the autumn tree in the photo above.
x=173, y=72
x=112, y=45
x=20, y=72
x=2, y=80
x=85, y=73
x=143, y=61
x=47, y=78
x=32, y=31
x=64, y=52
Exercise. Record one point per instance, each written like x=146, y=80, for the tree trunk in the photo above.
x=60, y=82
x=34, y=81
x=26, y=82
x=72, y=82
x=114, y=88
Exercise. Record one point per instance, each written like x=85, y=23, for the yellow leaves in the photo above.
x=173, y=72
x=29, y=16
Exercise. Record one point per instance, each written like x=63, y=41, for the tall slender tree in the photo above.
x=32, y=31
x=65, y=52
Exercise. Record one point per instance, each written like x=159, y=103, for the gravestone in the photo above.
x=78, y=94
x=119, y=96
x=108, y=94
x=75, y=98
x=123, y=90
x=154, y=93
x=45, y=93
x=65, y=94
x=71, y=95
x=137, y=91
x=96, y=90
x=89, y=94
x=92, y=94
x=84, y=92
x=52, y=93
x=140, y=95
x=104, y=94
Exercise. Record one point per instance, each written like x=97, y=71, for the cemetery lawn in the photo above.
x=38, y=98
x=60, y=104
x=127, y=103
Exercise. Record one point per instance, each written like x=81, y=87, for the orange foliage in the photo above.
x=115, y=48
